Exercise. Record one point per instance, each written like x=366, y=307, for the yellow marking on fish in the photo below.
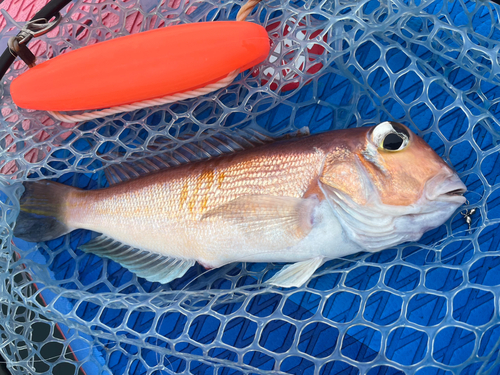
x=204, y=203
x=36, y=212
x=192, y=201
x=205, y=178
x=184, y=194
x=220, y=179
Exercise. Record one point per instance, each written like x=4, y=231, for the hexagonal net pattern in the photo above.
x=430, y=307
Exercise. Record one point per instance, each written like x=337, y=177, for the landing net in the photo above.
x=430, y=307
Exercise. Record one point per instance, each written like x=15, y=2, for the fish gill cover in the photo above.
x=428, y=308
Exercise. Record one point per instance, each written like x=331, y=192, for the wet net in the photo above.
x=430, y=307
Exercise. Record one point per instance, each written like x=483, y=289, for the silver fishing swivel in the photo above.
x=467, y=214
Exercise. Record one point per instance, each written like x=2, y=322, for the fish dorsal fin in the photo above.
x=151, y=266
x=116, y=173
x=207, y=146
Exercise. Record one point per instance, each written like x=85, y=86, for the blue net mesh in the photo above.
x=428, y=308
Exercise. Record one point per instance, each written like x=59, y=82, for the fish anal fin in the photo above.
x=296, y=274
x=151, y=266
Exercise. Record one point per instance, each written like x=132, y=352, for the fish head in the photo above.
x=388, y=186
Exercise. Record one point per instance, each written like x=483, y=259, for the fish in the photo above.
x=301, y=201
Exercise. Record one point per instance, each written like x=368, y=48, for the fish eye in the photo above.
x=392, y=142
x=390, y=136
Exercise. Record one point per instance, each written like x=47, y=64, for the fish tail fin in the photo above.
x=42, y=211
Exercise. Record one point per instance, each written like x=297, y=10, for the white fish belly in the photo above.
x=214, y=243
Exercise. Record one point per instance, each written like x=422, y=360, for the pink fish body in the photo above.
x=303, y=201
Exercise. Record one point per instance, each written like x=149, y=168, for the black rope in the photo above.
x=48, y=11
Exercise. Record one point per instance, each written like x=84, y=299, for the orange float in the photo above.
x=142, y=66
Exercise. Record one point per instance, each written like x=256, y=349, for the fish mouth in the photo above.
x=457, y=192
x=454, y=193
x=446, y=188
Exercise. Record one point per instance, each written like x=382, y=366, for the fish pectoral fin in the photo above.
x=296, y=274
x=151, y=266
x=267, y=215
